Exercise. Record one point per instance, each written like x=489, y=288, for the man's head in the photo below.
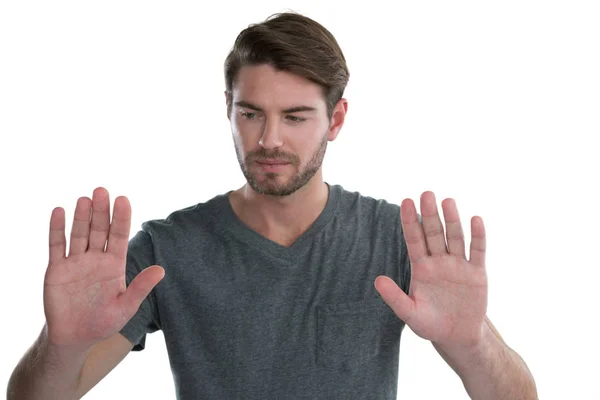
x=285, y=79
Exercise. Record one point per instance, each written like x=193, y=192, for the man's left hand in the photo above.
x=447, y=300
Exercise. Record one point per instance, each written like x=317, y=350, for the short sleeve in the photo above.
x=405, y=268
x=140, y=255
x=405, y=272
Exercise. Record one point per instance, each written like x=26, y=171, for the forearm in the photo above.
x=46, y=373
x=492, y=371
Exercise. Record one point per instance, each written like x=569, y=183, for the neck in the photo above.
x=281, y=219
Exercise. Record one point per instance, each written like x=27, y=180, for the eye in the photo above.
x=295, y=119
x=248, y=115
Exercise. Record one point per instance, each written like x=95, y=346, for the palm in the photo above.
x=81, y=295
x=85, y=295
x=450, y=298
x=448, y=295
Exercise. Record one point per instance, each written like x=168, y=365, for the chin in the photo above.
x=270, y=188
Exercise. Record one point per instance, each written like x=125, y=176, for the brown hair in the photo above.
x=294, y=43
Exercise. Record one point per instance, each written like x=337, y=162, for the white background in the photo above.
x=496, y=104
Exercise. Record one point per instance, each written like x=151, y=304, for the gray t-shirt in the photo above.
x=246, y=318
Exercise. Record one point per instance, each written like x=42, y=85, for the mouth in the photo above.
x=273, y=166
x=272, y=162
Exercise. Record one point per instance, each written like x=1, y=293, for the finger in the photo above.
x=139, y=289
x=57, y=239
x=413, y=231
x=478, y=245
x=432, y=225
x=80, y=232
x=100, y=220
x=118, y=238
x=454, y=232
x=402, y=305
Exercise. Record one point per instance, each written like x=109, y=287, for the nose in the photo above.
x=271, y=137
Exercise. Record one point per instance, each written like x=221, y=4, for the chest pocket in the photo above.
x=352, y=334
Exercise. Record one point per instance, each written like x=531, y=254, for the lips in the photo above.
x=272, y=162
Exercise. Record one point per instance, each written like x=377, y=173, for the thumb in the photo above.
x=140, y=288
x=402, y=305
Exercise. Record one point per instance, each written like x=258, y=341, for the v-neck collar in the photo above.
x=229, y=221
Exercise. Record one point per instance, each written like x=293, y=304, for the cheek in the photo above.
x=244, y=129
x=309, y=134
x=297, y=138
x=240, y=132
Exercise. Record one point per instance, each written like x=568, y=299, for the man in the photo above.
x=285, y=288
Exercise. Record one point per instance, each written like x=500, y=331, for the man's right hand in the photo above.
x=86, y=299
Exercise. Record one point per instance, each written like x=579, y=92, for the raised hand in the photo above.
x=447, y=302
x=85, y=295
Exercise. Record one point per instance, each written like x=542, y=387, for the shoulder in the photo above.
x=365, y=206
x=358, y=202
x=377, y=212
x=194, y=218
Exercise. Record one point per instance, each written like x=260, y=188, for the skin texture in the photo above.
x=86, y=302
x=448, y=299
x=263, y=132
x=85, y=298
x=280, y=202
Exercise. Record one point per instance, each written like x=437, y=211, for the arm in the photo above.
x=491, y=370
x=86, y=303
x=447, y=302
x=47, y=372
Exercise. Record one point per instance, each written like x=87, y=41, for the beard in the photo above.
x=268, y=185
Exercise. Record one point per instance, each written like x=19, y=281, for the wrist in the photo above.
x=463, y=358
x=60, y=358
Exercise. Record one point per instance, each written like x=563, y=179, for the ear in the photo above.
x=337, y=118
x=227, y=104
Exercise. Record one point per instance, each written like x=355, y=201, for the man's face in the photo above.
x=280, y=129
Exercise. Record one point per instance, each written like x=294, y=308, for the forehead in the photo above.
x=265, y=86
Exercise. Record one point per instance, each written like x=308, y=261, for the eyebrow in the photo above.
x=290, y=110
